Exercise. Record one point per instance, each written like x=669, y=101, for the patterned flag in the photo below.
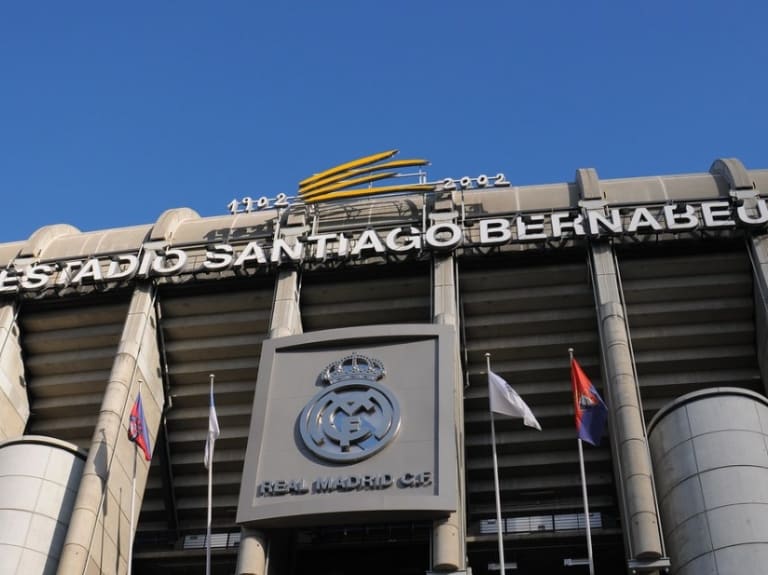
x=137, y=429
x=505, y=400
x=213, y=432
x=590, y=410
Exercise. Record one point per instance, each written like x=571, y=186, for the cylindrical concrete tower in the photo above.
x=710, y=458
x=38, y=484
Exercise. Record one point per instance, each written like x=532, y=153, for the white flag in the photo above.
x=213, y=432
x=505, y=400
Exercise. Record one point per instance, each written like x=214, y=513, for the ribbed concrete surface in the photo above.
x=38, y=484
x=711, y=467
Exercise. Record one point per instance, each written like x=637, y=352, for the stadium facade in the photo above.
x=347, y=336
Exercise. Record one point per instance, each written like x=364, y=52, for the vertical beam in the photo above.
x=14, y=403
x=98, y=537
x=163, y=441
x=758, y=251
x=744, y=192
x=285, y=321
x=629, y=444
x=286, y=315
x=449, y=534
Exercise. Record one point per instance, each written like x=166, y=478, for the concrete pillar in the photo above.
x=449, y=534
x=252, y=556
x=628, y=440
x=285, y=321
x=711, y=468
x=286, y=315
x=758, y=246
x=758, y=253
x=98, y=537
x=744, y=193
x=38, y=484
x=14, y=404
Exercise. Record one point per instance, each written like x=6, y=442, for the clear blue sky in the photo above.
x=112, y=112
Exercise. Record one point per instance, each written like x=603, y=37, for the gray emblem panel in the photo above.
x=369, y=444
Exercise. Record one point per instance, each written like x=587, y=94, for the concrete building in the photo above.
x=658, y=283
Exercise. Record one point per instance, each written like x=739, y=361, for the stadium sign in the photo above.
x=527, y=228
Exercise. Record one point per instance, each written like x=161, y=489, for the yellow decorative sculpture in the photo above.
x=337, y=182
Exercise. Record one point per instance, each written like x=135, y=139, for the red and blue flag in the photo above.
x=137, y=429
x=589, y=407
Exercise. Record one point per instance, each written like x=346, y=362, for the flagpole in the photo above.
x=584, y=492
x=586, y=510
x=133, y=502
x=496, y=480
x=210, y=491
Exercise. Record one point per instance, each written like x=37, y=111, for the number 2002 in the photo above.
x=481, y=181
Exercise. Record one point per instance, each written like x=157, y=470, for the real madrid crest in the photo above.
x=355, y=416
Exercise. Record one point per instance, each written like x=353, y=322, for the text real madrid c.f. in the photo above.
x=343, y=484
x=446, y=235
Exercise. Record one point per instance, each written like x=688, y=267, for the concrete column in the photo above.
x=711, y=468
x=286, y=315
x=744, y=192
x=38, y=482
x=758, y=253
x=449, y=534
x=98, y=537
x=14, y=404
x=285, y=321
x=252, y=557
x=629, y=445
x=758, y=247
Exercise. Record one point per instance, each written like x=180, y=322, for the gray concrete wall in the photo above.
x=711, y=468
x=38, y=484
x=14, y=405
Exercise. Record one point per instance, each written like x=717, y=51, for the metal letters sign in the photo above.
x=355, y=417
x=110, y=270
x=475, y=231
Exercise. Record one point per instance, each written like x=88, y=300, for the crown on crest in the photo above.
x=354, y=366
